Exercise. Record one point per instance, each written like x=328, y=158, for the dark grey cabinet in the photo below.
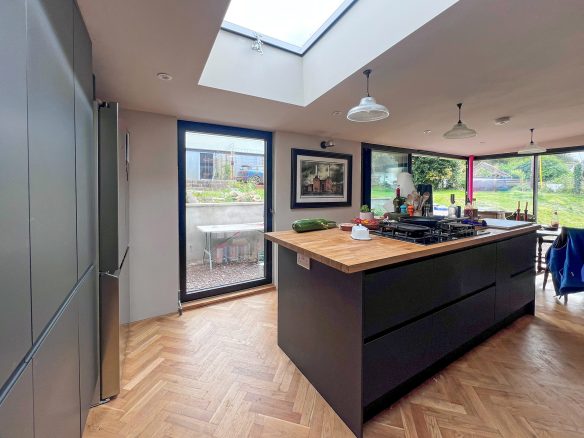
x=16, y=412
x=417, y=288
x=85, y=150
x=48, y=322
x=15, y=332
x=403, y=351
x=461, y=322
x=395, y=295
x=56, y=379
x=88, y=344
x=515, y=275
x=51, y=133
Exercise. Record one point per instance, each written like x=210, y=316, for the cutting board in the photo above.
x=504, y=224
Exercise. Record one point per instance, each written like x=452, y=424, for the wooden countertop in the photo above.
x=338, y=250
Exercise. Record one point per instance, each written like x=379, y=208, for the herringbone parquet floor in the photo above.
x=217, y=372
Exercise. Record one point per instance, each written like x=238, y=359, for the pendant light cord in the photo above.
x=459, y=105
x=532, y=129
x=367, y=73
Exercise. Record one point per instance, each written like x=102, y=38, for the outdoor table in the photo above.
x=547, y=236
x=236, y=229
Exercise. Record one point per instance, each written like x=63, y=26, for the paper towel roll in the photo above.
x=406, y=183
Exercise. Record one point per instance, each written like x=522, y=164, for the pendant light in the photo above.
x=532, y=147
x=368, y=109
x=460, y=130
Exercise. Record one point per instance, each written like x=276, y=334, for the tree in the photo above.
x=578, y=178
x=553, y=167
x=442, y=173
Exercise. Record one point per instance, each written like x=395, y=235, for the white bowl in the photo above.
x=359, y=232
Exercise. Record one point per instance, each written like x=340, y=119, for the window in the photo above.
x=225, y=192
x=385, y=167
x=500, y=184
x=206, y=165
x=293, y=25
x=446, y=175
x=560, y=187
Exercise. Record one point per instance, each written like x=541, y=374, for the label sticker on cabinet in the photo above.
x=303, y=261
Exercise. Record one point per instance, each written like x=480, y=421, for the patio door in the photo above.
x=224, y=209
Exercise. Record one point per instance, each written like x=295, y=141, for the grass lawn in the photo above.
x=569, y=205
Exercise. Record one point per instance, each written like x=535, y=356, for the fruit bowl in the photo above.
x=372, y=224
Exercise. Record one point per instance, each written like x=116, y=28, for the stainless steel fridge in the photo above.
x=114, y=254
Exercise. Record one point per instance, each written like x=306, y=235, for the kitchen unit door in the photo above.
x=51, y=131
x=56, y=379
x=16, y=411
x=15, y=330
x=85, y=147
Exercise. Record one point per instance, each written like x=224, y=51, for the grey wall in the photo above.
x=153, y=214
x=48, y=316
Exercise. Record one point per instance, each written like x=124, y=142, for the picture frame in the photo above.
x=320, y=179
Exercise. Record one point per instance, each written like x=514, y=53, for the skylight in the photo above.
x=292, y=25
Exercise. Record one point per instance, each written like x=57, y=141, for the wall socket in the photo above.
x=303, y=260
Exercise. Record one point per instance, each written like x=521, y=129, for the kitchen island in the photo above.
x=367, y=321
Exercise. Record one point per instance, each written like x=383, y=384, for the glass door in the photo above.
x=225, y=208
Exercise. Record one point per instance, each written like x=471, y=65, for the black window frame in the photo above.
x=184, y=126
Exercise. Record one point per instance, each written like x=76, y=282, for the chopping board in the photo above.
x=504, y=224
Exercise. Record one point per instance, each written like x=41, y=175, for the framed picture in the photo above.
x=320, y=179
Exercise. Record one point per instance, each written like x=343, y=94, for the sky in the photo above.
x=292, y=21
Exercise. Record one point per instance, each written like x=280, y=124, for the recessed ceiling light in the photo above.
x=427, y=131
x=164, y=76
x=336, y=113
x=502, y=120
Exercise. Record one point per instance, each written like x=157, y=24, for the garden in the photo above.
x=501, y=183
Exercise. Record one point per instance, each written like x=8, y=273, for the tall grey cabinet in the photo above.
x=48, y=316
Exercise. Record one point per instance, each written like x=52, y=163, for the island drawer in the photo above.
x=396, y=295
x=515, y=255
x=457, y=324
x=395, y=357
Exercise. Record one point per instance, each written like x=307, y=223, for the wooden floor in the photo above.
x=217, y=372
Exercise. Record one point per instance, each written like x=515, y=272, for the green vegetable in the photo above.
x=303, y=225
x=365, y=209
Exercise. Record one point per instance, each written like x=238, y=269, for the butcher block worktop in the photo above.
x=338, y=250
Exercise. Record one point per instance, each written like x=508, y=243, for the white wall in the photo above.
x=154, y=277
x=154, y=267
x=284, y=215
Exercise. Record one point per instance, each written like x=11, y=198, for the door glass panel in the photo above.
x=561, y=188
x=225, y=193
x=499, y=184
x=385, y=167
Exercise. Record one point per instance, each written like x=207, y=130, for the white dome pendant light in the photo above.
x=368, y=109
x=460, y=130
x=532, y=147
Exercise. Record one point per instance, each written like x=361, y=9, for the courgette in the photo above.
x=303, y=225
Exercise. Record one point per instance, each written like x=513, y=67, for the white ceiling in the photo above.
x=518, y=58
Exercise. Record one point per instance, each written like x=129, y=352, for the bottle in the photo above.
x=555, y=219
x=468, y=209
x=397, y=201
x=475, y=209
x=452, y=207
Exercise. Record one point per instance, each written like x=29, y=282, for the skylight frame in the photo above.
x=283, y=45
